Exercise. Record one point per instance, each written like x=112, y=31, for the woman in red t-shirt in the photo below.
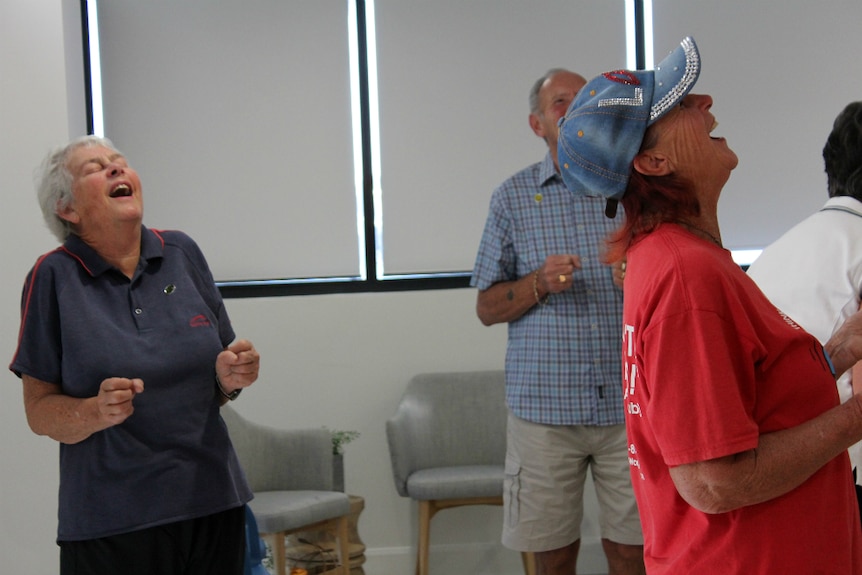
x=737, y=441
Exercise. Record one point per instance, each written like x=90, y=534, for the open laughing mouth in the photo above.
x=121, y=191
x=712, y=129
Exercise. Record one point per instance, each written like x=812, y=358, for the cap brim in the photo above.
x=675, y=76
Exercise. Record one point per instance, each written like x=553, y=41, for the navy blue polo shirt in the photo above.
x=84, y=321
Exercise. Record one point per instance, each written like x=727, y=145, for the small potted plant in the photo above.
x=339, y=440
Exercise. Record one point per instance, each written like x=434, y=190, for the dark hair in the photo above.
x=842, y=154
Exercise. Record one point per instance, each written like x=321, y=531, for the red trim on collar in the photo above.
x=158, y=234
x=76, y=257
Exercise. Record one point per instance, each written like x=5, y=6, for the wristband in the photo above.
x=230, y=396
x=543, y=300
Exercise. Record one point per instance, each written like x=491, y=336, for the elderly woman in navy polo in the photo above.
x=126, y=354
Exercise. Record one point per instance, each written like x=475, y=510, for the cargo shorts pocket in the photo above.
x=512, y=492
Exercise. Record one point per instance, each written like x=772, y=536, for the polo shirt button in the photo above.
x=138, y=311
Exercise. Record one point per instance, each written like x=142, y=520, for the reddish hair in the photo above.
x=648, y=202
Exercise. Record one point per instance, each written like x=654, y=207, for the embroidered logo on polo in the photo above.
x=199, y=320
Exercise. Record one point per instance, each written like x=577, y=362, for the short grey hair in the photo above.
x=537, y=87
x=54, y=183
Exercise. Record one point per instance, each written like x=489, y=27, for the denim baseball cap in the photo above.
x=604, y=126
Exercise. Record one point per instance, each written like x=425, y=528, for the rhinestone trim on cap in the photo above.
x=692, y=65
x=637, y=100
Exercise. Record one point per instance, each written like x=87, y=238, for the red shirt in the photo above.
x=709, y=366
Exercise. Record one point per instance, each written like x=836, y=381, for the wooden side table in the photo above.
x=316, y=551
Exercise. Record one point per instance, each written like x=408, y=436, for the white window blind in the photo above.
x=238, y=117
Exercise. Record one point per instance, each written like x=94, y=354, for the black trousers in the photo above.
x=211, y=545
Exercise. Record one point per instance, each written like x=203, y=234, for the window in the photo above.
x=319, y=146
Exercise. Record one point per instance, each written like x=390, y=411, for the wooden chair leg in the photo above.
x=344, y=545
x=529, y=561
x=278, y=553
x=425, y=514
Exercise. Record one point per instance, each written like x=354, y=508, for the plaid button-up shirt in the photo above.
x=563, y=361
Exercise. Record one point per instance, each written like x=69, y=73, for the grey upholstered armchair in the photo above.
x=290, y=473
x=447, y=442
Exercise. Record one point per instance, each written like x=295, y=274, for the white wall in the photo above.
x=32, y=116
x=342, y=360
x=338, y=360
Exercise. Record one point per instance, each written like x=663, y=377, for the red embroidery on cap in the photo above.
x=622, y=77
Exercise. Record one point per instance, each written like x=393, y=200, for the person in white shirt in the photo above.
x=813, y=273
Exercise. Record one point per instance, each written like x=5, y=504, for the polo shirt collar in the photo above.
x=848, y=202
x=152, y=247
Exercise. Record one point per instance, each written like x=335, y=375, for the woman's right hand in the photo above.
x=70, y=419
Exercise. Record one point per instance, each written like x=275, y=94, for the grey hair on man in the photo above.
x=537, y=87
x=54, y=183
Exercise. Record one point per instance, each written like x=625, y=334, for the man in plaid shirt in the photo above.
x=539, y=269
